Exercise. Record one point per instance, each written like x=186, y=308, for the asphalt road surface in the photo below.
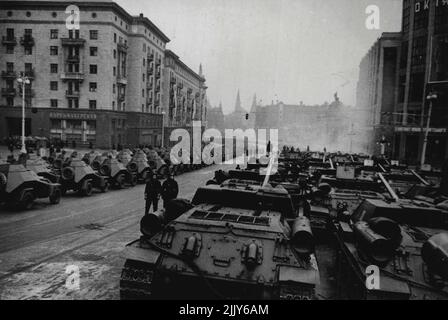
x=40, y=249
x=37, y=247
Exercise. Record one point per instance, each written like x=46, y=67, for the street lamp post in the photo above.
x=431, y=97
x=22, y=80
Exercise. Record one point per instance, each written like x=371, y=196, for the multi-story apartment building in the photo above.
x=100, y=82
x=420, y=66
x=184, y=95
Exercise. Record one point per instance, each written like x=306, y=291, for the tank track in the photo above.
x=135, y=282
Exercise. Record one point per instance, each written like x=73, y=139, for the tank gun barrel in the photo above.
x=388, y=187
x=302, y=236
x=382, y=168
x=269, y=170
x=331, y=163
x=419, y=177
x=377, y=247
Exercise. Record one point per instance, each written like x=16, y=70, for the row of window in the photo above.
x=93, y=87
x=54, y=103
x=54, y=34
x=54, y=14
x=118, y=123
x=27, y=50
x=54, y=51
x=10, y=67
x=93, y=51
x=73, y=104
x=73, y=124
x=72, y=67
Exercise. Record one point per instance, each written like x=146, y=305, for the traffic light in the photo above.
x=247, y=116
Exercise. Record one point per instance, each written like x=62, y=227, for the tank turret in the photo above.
x=20, y=187
x=118, y=174
x=81, y=178
x=139, y=166
x=406, y=240
x=435, y=254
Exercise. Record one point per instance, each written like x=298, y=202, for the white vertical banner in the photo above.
x=203, y=106
x=194, y=109
x=175, y=104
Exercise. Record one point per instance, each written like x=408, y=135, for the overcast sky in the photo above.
x=290, y=50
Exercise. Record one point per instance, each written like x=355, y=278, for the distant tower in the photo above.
x=253, y=113
x=200, y=70
x=238, y=107
x=253, y=109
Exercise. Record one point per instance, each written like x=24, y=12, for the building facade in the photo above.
x=99, y=82
x=377, y=92
x=321, y=126
x=421, y=69
x=183, y=96
x=215, y=118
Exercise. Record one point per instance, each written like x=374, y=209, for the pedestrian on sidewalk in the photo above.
x=170, y=190
x=152, y=193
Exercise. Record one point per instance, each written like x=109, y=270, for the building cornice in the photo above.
x=171, y=54
x=151, y=26
x=99, y=6
x=61, y=5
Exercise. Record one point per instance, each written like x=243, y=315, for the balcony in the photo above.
x=122, y=80
x=27, y=41
x=121, y=97
x=78, y=42
x=122, y=47
x=150, y=71
x=9, y=74
x=74, y=58
x=158, y=74
x=158, y=62
x=151, y=57
x=72, y=94
x=72, y=76
x=158, y=88
x=157, y=102
x=8, y=92
x=9, y=41
x=173, y=80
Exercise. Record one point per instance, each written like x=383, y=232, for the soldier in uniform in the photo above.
x=152, y=193
x=170, y=190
